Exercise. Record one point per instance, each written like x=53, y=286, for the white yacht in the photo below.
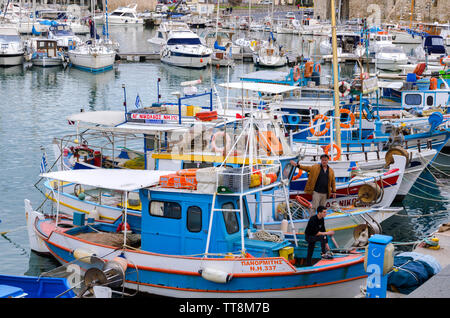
x=268, y=54
x=184, y=49
x=431, y=51
x=122, y=15
x=11, y=46
x=162, y=33
x=380, y=39
x=348, y=45
x=222, y=45
x=390, y=58
x=92, y=57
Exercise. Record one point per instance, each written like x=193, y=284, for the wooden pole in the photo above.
x=337, y=113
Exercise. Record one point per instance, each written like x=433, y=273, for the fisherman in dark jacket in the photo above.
x=315, y=232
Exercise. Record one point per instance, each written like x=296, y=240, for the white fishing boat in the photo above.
x=184, y=49
x=11, y=46
x=122, y=15
x=45, y=53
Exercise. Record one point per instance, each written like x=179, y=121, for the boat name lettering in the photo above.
x=154, y=116
x=261, y=265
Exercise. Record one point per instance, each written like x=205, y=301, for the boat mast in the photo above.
x=337, y=113
x=412, y=13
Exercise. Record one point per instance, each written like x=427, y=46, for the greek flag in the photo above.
x=138, y=102
x=43, y=164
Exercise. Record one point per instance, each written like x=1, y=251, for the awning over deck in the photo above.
x=114, y=179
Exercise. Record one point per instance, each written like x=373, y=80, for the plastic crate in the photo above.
x=235, y=178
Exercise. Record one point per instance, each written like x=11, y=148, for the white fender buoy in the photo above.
x=83, y=255
x=215, y=275
x=94, y=214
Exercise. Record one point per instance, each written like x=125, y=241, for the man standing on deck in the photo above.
x=321, y=182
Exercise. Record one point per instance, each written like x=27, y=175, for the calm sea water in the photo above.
x=35, y=103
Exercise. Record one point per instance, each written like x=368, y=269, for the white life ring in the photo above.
x=227, y=144
x=344, y=88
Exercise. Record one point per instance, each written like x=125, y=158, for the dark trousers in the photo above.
x=323, y=239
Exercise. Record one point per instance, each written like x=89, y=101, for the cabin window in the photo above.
x=160, y=35
x=430, y=101
x=196, y=165
x=413, y=99
x=194, y=219
x=287, y=170
x=246, y=220
x=171, y=210
x=230, y=218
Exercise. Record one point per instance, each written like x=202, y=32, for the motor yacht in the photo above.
x=122, y=15
x=11, y=46
x=161, y=35
x=184, y=49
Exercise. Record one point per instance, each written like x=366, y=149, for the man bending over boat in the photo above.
x=321, y=182
x=315, y=232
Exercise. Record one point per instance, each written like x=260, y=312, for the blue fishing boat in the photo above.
x=194, y=244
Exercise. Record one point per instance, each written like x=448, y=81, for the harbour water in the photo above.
x=36, y=102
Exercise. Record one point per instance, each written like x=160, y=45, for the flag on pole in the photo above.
x=138, y=102
x=43, y=163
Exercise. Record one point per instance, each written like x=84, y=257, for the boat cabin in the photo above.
x=434, y=44
x=46, y=47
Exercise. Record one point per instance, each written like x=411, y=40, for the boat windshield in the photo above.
x=61, y=30
x=9, y=38
x=185, y=41
x=391, y=49
x=437, y=41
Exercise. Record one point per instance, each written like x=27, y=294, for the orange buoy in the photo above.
x=319, y=133
x=352, y=118
x=327, y=149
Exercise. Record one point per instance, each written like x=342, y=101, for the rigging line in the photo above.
x=428, y=169
x=429, y=199
x=414, y=186
x=419, y=183
x=439, y=164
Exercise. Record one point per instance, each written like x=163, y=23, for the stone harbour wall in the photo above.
x=387, y=10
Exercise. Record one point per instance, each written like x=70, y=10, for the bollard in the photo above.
x=378, y=261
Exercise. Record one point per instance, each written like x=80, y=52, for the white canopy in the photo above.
x=260, y=87
x=104, y=117
x=386, y=84
x=114, y=179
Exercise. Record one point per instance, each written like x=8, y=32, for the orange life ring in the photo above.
x=296, y=73
x=327, y=149
x=226, y=144
x=269, y=141
x=320, y=133
x=352, y=118
x=187, y=172
x=298, y=175
x=303, y=201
